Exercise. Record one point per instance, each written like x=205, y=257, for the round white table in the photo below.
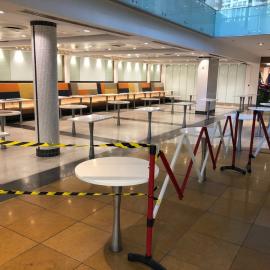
x=115, y=172
x=90, y=100
x=149, y=110
x=91, y=119
x=172, y=98
x=3, y=115
x=184, y=104
x=107, y=99
x=149, y=100
x=242, y=117
x=118, y=103
x=208, y=105
x=73, y=108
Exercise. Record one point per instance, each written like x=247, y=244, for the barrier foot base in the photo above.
x=146, y=261
x=233, y=168
x=248, y=167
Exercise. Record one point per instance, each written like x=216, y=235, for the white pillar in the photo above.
x=206, y=86
x=67, y=68
x=149, y=66
x=44, y=54
x=163, y=74
x=115, y=71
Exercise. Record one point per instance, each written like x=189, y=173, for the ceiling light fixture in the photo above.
x=145, y=43
x=86, y=31
x=2, y=12
x=134, y=48
x=109, y=49
x=24, y=36
x=260, y=43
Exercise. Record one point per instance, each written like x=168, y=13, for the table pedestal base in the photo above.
x=116, y=245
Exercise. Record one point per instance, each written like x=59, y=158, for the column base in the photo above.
x=205, y=113
x=47, y=152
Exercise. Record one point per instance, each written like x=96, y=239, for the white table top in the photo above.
x=108, y=95
x=64, y=97
x=172, y=96
x=3, y=134
x=72, y=106
x=150, y=99
x=114, y=171
x=184, y=103
x=118, y=102
x=260, y=109
x=265, y=104
x=91, y=118
x=242, y=116
x=6, y=113
x=83, y=96
x=148, y=109
x=11, y=100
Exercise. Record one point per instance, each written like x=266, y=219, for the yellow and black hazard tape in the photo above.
x=122, y=145
x=70, y=194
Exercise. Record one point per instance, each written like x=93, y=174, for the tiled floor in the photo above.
x=223, y=223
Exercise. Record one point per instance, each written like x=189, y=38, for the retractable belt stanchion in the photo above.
x=256, y=113
x=234, y=135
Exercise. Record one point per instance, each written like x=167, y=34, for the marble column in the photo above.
x=44, y=55
x=206, y=86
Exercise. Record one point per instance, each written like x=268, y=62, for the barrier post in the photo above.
x=147, y=258
x=234, y=135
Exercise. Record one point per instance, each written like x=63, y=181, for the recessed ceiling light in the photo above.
x=192, y=53
x=23, y=36
x=145, y=43
x=134, y=48
x=2, y=12
x=86, y=31
x=58, y=45
x=260, y=44
x=163, y=47
x=109, y=49
x=129, y=54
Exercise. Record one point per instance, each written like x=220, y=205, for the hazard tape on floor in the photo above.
x=122, y=145
x=67, y=194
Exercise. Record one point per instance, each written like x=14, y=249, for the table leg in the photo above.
x=81, y=104
x=204, y=150
x=172, y=101
x=244, y=103
x=149, y=135
x=208, y=110
x=144, y=103
x=73, y=124
x=3, y=120
x=20, y=108
x=107, y=105
x=159, y=96
x=239, y=139
x=116, y=245
x=134, y=101
x=91, y=132
x=240, y=104
x=185, y=117
x=91, y=105
x=190, y=100
x=60, y=111
x=150, y=103
x=118, y=115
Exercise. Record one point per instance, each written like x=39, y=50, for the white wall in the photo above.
x=232, y=80
x=16, y=65
x=131, y=71
x=155, y=73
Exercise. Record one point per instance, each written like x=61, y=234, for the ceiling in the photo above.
x=78, y=39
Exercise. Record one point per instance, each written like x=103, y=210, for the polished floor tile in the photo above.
x=172, y=263
x=103, y=218
x=222, y=227
x=242, y=211
x=15, y=209
x=249, y=259
x=42, y=225
x=41, y=258
x=12, y=245
x=205, y=252
x=78, y=241
x=259, y=239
